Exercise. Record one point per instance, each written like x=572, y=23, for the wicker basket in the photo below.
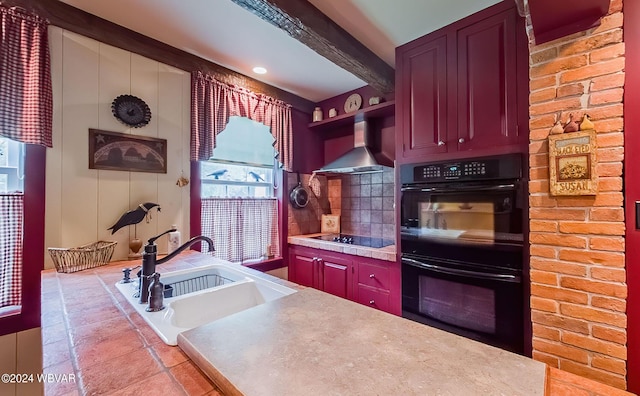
x=83, y=257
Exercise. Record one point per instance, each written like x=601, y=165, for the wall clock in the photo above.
x=131, y=111
x=353, y=103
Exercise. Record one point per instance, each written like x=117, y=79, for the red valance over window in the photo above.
x=213, y=102
x=26, y=99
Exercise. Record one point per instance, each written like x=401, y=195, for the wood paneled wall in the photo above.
x=81, y=202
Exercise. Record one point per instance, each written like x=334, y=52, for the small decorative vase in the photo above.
x=134, y=245
x=317, y=114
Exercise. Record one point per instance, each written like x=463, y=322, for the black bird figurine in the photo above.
x=133, y=216
x=256, y=176
x=218, y=173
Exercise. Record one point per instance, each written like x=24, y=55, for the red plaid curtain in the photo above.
x=241, y=228
x=11, y=210
x=213, y=102
x=26, y=99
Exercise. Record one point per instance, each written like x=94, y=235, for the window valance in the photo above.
x=213, y=102
x=26, y=98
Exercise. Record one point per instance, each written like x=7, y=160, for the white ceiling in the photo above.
x=227, y=34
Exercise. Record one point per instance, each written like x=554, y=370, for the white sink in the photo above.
x=202, y=295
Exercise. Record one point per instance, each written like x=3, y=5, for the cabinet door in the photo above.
x=302, y=269
x=372, y=297
x=373, y=275
x=335, y=275
x=423, y=90
x=377, y=283
x=486, y=83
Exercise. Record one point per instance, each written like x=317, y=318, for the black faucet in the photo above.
x=149, y=260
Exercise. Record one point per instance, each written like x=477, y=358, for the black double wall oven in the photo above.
x=462, y=247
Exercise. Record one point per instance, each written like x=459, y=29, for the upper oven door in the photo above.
x=486, y=212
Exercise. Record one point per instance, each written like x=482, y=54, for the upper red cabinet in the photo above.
x=423, y=87
x=460, y=89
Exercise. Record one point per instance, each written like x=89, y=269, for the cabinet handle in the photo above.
x=441, y=143
x=461, y=140
x=372, y=276
x=371, y=302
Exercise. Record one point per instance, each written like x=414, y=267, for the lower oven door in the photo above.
x=477, y=302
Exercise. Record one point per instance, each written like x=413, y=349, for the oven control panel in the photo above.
x=498, y=167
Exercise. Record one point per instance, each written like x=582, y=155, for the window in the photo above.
x=11, y=225
x=11, y=166
x=239, y=208
x=226, y=180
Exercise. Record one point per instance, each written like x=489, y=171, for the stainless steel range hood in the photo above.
x=360, y=159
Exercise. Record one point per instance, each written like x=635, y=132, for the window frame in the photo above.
x=33, y=256
x=12, y=169
x=195, y=215
x=266, y=184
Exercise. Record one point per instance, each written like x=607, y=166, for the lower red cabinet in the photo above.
x=371, y=282
x=375, y=298
x=314, y=268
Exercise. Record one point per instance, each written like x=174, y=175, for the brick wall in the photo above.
x=578, y=289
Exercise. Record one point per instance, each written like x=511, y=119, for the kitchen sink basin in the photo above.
x=197, y=296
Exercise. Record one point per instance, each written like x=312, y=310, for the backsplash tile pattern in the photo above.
x=307, y=220
x=367, y=204
x=364, y=202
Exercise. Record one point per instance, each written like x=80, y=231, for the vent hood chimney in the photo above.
x=360, y=159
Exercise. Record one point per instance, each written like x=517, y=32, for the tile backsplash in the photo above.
x=364, y=203
x=307, y=220
x=367, y=204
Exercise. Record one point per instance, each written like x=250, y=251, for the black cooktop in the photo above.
x=356, y=240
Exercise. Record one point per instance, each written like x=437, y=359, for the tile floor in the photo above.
x=89, y=330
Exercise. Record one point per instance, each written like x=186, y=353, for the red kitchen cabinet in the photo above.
x=327, y=272
x=302, y=269
x=378, y=284
x=424, y=88
x=371, y=282
x=335, y=276
x=486, y=82
x=461, y=89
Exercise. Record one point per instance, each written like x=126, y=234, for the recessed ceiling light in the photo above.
x=259, y=70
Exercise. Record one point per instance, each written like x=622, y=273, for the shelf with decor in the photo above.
x=384, y=109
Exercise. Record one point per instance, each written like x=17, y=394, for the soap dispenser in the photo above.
x=156, y=294
x=173, y=242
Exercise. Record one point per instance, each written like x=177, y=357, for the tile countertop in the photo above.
x=90, y=330
x=387, y=253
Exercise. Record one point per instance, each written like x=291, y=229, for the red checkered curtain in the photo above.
x=241, y=228
x=11, y=226
x=213, y=102
x=26, y=99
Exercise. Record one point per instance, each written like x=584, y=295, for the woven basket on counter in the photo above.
x=83, y=257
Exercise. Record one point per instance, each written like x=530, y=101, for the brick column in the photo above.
x=578, y=289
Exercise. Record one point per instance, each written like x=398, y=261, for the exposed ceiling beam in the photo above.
x=304, y=22
x=73, y=19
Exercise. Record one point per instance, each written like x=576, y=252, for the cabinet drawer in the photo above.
x=373, y=275
x=375, y=298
